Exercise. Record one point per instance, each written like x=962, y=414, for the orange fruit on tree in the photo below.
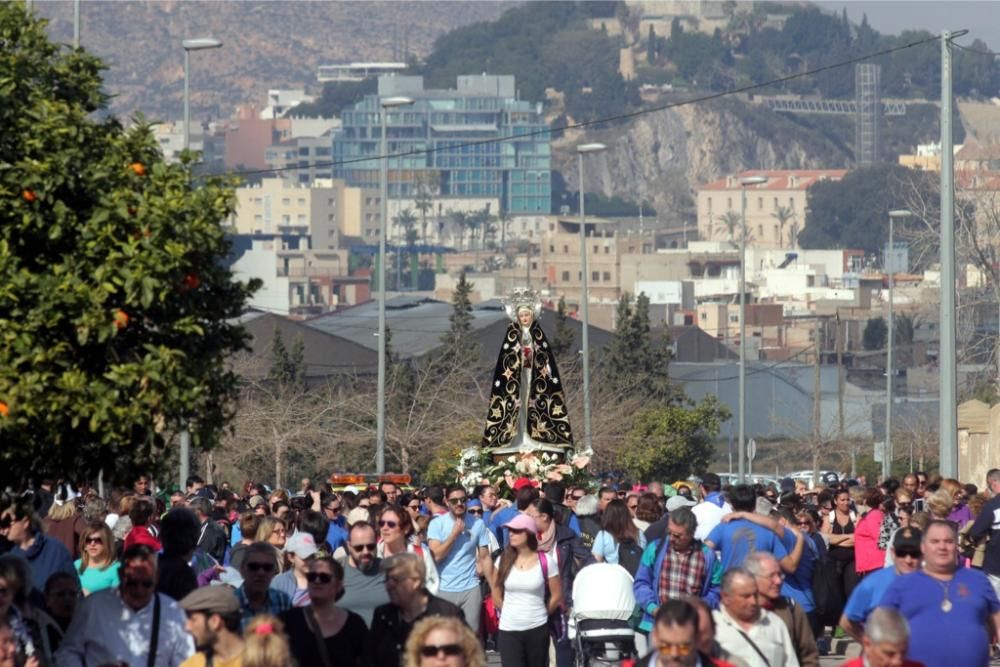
x=4, y=410
x=192, y=281
x=28, y=196
x=121, y=319
x=139, y=168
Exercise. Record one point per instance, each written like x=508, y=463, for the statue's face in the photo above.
x=525, y=316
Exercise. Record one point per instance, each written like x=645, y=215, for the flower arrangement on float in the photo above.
x=476, y=465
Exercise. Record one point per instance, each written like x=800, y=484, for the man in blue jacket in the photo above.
x=675, y=567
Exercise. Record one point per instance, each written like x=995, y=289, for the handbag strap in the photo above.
x=754, y=645
x=307, y=611
x=154, y=638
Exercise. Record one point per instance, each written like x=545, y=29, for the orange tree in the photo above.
x=116, y=305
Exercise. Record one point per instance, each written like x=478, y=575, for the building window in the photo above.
x=734, y=318
x=552, y=248
x=775, y=203
x=607, y=250
x=595, y=276
x=760, y=203
x=729, y=203
x=607, y=276
x=760, y=232
x=285, y=201
x=596, y=250
x=330, y=202
x=565, y=249
x=709, y=200
x=565, y=276
x=302, y=201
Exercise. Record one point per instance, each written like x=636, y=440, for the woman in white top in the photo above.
x=396, y=537
x=526, y=591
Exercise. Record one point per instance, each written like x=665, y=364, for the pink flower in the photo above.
x=581, y=462
x=564, y=468
x=554, y=475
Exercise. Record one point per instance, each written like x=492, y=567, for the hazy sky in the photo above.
x=980, y=17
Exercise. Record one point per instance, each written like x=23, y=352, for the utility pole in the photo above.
x=947, y=359
x=817, y=395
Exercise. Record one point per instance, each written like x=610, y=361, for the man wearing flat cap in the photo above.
x=213, y=619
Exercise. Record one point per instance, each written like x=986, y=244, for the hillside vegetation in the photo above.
x=266, y=44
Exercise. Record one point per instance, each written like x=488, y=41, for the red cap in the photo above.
x=523, y=482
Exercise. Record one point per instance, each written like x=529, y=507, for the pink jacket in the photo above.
x=867, y=555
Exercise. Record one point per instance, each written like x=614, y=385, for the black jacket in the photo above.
x=389, y=631
x=213, y=540
x=573, y=554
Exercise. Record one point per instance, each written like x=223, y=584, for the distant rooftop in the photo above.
x=778, y=179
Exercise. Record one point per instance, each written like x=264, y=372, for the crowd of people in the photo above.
x=743, y=575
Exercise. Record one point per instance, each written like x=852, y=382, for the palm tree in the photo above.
x=427, y=185
x=459, y=222
x=407, y=221
x=793, y=233
x=782, y=215
x=729, y=222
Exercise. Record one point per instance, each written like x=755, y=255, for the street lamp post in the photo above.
x=741, y=443
x=386, y=103
x=887, y=453
x=588, y=441
x=190, y=45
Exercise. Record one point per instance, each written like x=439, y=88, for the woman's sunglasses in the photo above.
x=387, y=524
x=432, y=651
x=95, y=540
x=476, y=510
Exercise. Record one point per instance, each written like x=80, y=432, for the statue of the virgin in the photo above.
x=527, y=411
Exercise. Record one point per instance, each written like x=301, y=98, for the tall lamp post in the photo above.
x=588, y=440
x=887, y=453
x=189, y=46
x=741, y=442
x=386, y=103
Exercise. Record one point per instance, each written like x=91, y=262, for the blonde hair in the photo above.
x=107, y=542
x=940, y=504
x=952, y=486
x=408, y=564
x=62, y=512
x=472, y=652
x=266, y=527
x=265, y=643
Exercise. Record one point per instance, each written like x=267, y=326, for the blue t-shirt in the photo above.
x=937, y=637
x=739, y=538
x=606, y=547
x=92, y=579
x=335, y=536
x=868, y=594
x=798, y=585
x=458, y=568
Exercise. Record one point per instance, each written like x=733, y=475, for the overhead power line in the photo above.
x=599, y=121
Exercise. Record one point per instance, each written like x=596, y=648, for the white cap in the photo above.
x=676, y=502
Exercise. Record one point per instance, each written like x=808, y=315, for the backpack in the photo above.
x=629, y=555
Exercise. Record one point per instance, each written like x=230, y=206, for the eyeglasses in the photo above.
x=260, y=567
x=364, y=547
x=807, y=524
x=576, y=497
x=458, y=501
x=432, y=651
x=333, y=510
x=319, y=577
x=633, y=507
x=621, y=494
x=387, y=524
x=144, y=584
x=476, y=510
x=906, y=507
x=414, y=506
x=680, y=650
x=516, y=531
x=95, y=540
x=908, y=553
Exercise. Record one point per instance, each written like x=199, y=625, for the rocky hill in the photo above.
x=266, y=44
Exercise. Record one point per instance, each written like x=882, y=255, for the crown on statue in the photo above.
x=523, y=297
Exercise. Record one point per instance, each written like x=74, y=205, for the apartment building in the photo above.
x=775, y=210
x=477, y=141
x=326, y=211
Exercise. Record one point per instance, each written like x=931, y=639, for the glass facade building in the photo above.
x=477, y=141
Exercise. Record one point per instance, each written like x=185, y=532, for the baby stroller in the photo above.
x=599, y=626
